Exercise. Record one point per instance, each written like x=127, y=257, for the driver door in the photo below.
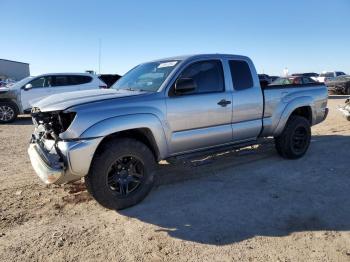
x=200, y=118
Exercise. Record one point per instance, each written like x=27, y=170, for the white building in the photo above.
x=13, y=70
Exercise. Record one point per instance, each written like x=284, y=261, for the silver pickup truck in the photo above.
x=163, y=109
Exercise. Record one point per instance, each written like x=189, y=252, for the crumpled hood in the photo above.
x=65, y=100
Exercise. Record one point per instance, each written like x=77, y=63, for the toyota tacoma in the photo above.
x=164, y=109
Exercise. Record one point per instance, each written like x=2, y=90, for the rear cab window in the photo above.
x=241, y=75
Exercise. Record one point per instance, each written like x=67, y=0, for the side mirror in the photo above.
x=184, y=85
x=28, y=86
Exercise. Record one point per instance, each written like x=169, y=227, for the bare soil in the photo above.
x=244, y=205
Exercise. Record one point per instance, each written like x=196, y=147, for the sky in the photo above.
x=64, y=36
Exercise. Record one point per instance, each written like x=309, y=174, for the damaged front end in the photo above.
x=50, y=124
x=47, y=158
x=345, y=109
x=56, y=160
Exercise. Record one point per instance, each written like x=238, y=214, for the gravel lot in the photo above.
x=247, y=205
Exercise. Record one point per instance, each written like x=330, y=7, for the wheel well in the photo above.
x=143, y=135
x=7, y=100
x=304, y=111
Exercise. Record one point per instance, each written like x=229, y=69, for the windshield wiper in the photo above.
x=134, y=89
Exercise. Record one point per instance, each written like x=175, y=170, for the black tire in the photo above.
x=347, y=90
x=295, y=138
x=8, y=112
x=108, y=173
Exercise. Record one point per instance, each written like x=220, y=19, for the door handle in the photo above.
x=224, y=102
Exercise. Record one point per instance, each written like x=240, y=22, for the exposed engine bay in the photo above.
x=51, y=124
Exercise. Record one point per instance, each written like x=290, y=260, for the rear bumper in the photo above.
x=69, y=164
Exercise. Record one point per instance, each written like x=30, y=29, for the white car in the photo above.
x=325, y=76
x=19, y=98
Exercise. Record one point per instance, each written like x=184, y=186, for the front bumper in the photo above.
x=48, y=172
x=70, y=163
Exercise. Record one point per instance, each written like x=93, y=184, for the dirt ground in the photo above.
x=245, y=205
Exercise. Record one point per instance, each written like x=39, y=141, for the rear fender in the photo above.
x=289, y=109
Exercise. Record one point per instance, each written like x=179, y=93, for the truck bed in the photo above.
x=277, y=99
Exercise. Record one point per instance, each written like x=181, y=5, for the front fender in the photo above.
x=127, y=122
x=288, y=110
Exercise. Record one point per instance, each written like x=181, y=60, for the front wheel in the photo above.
x=8, y=112
x=295, y=138
x=122, y=174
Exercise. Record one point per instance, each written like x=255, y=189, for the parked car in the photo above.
x=312, y=75
x=19, y=98
x=326, y=76
x=345, y=109
x=293, y=80
x=339, y=85
x=165, y=109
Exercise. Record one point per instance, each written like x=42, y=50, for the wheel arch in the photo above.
x=145, y=128
x=303, y=111
x=8, y=100
x=143, y=135
x=302, y=106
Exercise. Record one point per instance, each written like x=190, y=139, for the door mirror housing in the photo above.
x=28, y=86
x=184, y=85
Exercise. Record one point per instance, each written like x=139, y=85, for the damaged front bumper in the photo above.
x=345, y=110
x=64, y=162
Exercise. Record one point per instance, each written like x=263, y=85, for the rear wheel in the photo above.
x=8, y=112
x=122, y=174
x=295, y=138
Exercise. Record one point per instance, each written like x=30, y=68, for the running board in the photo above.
x=215, y=150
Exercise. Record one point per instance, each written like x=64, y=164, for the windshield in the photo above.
x=146, y=77
x=21, y=83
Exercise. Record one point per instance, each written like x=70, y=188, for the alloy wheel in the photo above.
x=6, y=113
x=125, y=175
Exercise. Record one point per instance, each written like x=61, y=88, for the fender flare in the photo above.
x=289, y=109
x=127, y=122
